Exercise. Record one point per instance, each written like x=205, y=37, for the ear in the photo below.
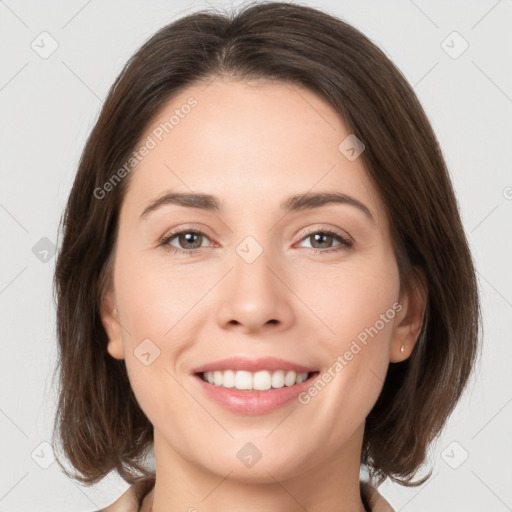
x=112, y=326
x=409, y=320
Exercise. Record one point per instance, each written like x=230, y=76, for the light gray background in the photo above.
x=47, y=108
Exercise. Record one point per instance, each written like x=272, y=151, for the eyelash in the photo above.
x=344, y=242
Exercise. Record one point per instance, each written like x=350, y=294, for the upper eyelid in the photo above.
x=186, y=229
x=337, y=231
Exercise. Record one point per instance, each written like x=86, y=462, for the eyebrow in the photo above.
x=293, y=203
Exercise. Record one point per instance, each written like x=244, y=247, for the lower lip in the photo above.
x=253, y=403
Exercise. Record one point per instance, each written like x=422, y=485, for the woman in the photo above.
x=324, y=318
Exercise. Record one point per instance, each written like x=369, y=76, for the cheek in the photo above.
x=154, y=299
x=353, y=297
x=357, y=306
x=157, y=308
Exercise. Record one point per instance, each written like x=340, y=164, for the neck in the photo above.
x=331, y=484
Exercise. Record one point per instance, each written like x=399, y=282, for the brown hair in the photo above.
x=99, y=422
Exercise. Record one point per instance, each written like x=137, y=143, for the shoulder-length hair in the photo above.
x=98, y=420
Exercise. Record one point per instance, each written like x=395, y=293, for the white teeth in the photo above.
x=290, y=379
x=278, y=379
x=243, y=380
x=301, y=377
x=217, y=378
x=228, y=379
x=259, y=381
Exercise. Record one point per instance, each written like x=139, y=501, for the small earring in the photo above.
x=402, y=349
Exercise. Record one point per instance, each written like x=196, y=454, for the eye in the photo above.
x=324, y=238
x=189, y=240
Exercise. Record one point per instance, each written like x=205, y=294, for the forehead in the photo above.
x=249, y=142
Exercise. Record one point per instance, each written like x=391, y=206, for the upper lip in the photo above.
x=252, y=365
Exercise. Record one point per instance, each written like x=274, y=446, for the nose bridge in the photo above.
x=252, y=261
x=253, y=295
x=254, y=282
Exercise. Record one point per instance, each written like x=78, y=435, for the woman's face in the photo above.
x=265, y=281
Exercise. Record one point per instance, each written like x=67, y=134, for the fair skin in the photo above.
x=252, y=146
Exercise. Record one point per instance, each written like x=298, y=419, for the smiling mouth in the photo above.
x=263, y=380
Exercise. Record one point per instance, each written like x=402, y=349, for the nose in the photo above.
x=255, y=296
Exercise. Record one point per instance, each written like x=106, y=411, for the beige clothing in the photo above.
x=139, y=498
